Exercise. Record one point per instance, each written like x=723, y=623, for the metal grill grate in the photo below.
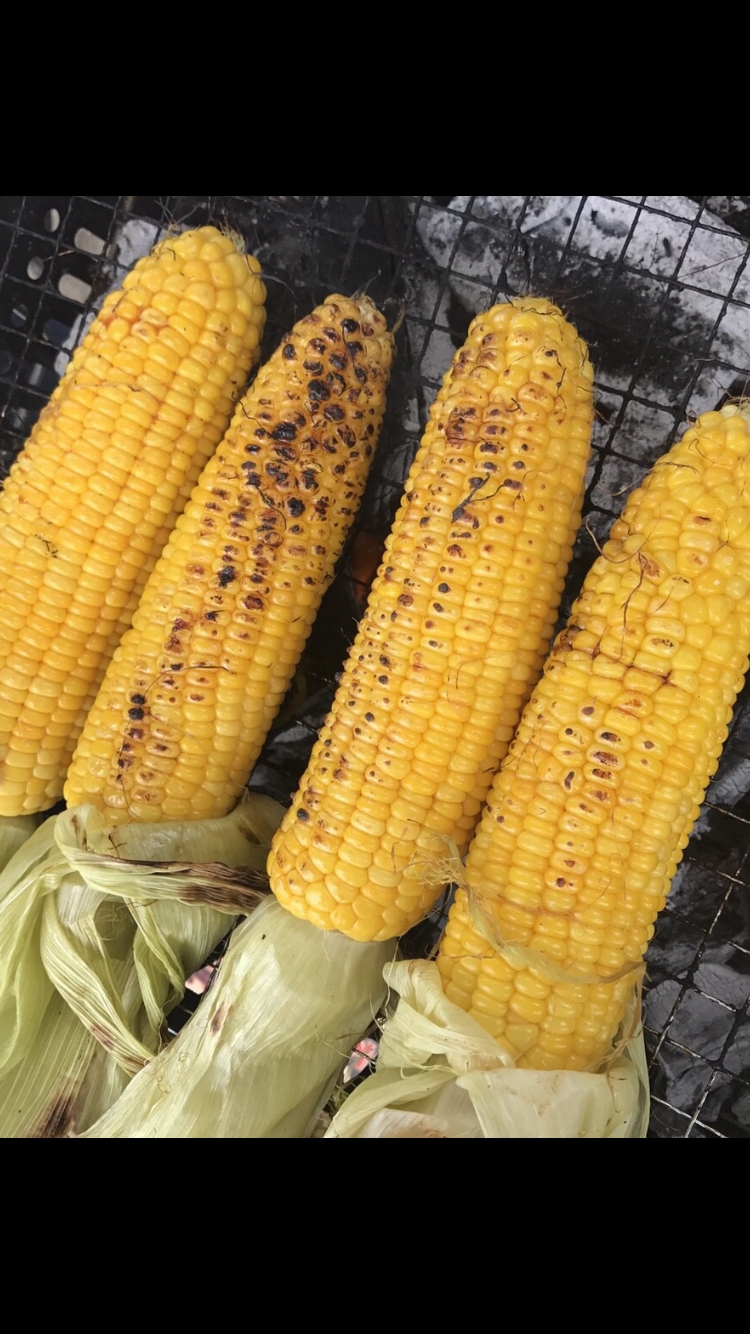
x=659, y=285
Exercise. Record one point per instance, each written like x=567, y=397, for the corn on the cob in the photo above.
x=589, y=817
x=455, y=632
x=91, y=500
x=191, y=692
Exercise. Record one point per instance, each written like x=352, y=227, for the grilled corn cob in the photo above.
x=590, y=815
x=454, y=636
x=191, y=692
x=91, y=500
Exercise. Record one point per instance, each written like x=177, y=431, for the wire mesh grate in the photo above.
x=659, y=285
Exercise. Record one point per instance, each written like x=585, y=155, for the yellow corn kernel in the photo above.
x=89, y=503
x=436, y=678
x=648, y=757
x=228, y=609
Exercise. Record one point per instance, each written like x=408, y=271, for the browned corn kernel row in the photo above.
x=455, y=631
x=188, y=699
x=94, y=495
x=589, y=817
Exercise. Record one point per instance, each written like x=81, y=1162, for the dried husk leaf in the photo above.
x=259, y=1058
x=99, y=929
x=441, y=1076
x=14, y=831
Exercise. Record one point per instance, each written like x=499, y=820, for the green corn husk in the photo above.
x=441, y=1076
x=14, y=831
x=99, y=929
x=261, y=1056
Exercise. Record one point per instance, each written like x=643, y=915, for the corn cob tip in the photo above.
x=237, y=239
x=367, y=309
x=739, y=407
x=537, y=305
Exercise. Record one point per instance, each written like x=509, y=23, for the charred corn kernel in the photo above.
x=618, y=778
x=228, y=609
x=454, y=637
x=93, y=497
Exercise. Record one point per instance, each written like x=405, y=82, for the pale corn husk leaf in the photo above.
x=259, y=1058
x=14, y=831
x=35, y=871
x=440, y=1076
x=69, y=1079
x=99, y=929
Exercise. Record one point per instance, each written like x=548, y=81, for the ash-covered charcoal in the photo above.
x=652, y=281
x=287, y=750
x=732, y=209
x=8, y=450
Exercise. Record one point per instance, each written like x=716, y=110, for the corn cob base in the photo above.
x=440, y=1075
x=591, y=813
x=98, y=930
x=288, y=1005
